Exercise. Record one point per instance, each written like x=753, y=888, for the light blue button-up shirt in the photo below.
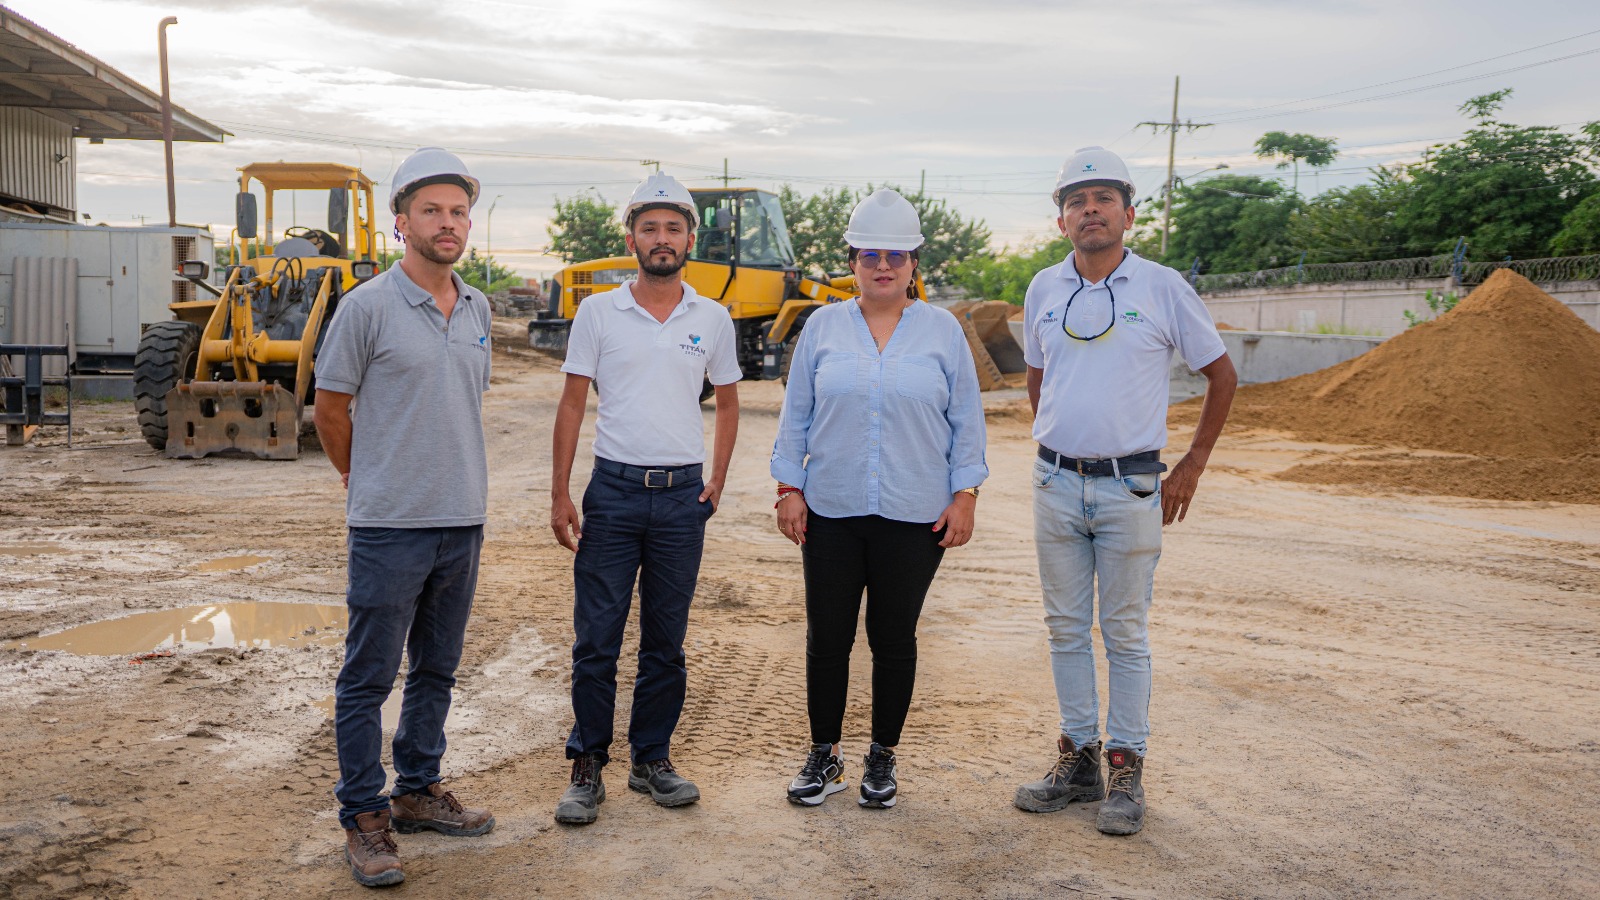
x=893, y=434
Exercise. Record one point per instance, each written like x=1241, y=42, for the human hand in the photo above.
x=792, y=517
x=957, y=520
x=713, y=492
x=564, y=522
x=1178, y=489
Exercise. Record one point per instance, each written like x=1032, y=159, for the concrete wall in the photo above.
x=1367, y=307
x=1273, y=356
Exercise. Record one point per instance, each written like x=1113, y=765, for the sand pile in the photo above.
x=1511, y=374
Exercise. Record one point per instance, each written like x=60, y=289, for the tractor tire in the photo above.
x=166, y=358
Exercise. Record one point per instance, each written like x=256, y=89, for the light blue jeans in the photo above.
x=1089, y=528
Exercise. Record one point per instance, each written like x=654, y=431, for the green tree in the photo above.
x=1506, y=188
x=1349, y=224
x=950, y=239
x=584, y=228
x=1580, y=229
x=471, y=270
x=1293, y=149
x=1006, y=275
x=1233, y=223
x=816, y=227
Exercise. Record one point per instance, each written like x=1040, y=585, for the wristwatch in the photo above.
x=971, y=490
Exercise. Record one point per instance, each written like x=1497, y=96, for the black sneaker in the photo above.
x=877, y=782
x=823, y=774
x=663, y=783
x=1123, y=811
x=580, y=803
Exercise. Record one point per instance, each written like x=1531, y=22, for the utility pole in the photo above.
x=488, y=254
x=922, y=184
x=652, y=162
x=1172, y=154
x=166, y=122
x=725, y=176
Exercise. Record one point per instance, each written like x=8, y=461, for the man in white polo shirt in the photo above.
x=648, y=346
x=1101, y=330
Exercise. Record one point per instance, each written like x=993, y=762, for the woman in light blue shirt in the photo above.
x=878, y=459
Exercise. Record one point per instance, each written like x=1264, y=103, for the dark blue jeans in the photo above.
x=652, y=535
x=410, y=590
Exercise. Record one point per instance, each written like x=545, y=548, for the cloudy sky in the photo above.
x=984, y=100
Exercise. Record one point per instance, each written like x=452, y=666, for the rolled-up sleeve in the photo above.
x=969, y=436
x=794, y=423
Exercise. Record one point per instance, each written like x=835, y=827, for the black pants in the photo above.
x=894, y=562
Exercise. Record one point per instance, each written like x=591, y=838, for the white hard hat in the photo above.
x=1093, y=165
x=660, y=191
x=884, y=221
x=431, y=165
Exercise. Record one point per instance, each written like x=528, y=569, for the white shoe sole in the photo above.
x=829, y=789
x=878, y=804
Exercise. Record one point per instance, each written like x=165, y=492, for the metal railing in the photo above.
x=1561, y=268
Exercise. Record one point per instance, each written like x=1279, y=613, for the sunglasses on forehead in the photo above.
x=897, y=258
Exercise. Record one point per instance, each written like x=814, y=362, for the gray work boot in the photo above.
x=580, y=804
x=437, y=808
x=370, y=850
x=663, y=783
x=1075, y=777
x=1123, y=811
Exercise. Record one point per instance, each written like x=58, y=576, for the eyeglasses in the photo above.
x=897, y=258
x=1081, y=285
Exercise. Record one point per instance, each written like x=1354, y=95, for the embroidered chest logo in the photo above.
x=1132, y=317
x=1050, y=316
x=483, y=341
x=693, y=348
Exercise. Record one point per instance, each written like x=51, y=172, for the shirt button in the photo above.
x=874, y=413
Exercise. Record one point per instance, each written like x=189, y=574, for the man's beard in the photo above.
x=430, y=251
x=662, y=269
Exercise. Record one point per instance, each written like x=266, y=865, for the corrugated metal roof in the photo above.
x=40, y=71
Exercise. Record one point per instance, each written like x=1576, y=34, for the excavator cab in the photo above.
x=235, y=372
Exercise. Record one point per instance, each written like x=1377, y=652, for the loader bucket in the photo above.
x=253, y=417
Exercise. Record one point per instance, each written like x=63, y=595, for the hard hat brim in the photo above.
x=465, y=182
x=686, y=212
x=862, y=241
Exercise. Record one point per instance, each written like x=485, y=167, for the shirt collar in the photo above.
x=1130, y=261
x=623, y=296
x=416, y=296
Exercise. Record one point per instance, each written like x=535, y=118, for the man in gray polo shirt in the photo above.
x=409, y=350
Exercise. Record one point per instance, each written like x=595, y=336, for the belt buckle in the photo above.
x=649, y=472
x=1080, y=468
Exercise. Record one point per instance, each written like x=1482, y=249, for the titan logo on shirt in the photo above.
x=693, y=347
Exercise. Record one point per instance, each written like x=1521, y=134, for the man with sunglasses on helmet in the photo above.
x=1101, y=328
x=647, y=347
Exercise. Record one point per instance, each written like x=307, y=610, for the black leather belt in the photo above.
x=1132, y=464
x=651, y=477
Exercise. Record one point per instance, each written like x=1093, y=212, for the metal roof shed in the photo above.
x=52, y=92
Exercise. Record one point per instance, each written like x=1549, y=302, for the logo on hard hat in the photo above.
x=1088, y=167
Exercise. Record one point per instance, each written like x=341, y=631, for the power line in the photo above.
x=1468, y=65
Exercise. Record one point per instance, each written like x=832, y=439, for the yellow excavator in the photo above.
x=742, y=258
x=234, y=372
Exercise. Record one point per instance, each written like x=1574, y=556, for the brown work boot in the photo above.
x=370, y=849
x=437, y=808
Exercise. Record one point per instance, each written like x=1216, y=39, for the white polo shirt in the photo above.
x=1107, y=398
x=649, y=373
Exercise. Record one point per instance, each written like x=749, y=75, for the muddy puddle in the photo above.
x=243, y=624
x=230, y=563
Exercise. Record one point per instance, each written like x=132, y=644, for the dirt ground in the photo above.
x=1357, y=693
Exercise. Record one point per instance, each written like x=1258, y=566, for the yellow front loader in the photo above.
x=236, y=371
x=742, y=258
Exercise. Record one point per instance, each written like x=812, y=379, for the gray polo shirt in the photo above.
x=417, y=457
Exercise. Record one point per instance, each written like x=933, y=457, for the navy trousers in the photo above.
x=652, y=537
x=410, y=591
